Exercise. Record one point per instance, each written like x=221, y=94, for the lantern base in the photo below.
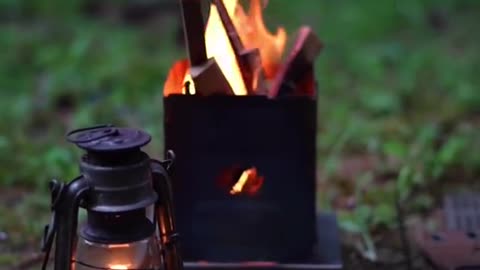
x=259, y=266
x=327, y=253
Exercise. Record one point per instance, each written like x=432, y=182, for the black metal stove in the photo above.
x=215, y=139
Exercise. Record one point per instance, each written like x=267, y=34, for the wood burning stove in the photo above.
x=242, y=122
x=218, y=138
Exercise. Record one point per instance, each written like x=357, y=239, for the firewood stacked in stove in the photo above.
x=295, y=77
x=248, y=60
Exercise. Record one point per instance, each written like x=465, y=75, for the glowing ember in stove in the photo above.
x=249, y=182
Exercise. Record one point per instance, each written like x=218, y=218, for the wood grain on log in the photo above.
x=194, y=30
x=209, y=79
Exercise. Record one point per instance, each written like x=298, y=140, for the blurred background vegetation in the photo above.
x=399, y=100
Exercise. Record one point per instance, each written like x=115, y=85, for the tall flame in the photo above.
x=253, y=34
x=219, y=47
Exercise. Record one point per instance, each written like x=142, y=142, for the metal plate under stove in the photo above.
x=327, y=253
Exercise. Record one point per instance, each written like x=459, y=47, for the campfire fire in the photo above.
x=235, y=54
x=241, y=115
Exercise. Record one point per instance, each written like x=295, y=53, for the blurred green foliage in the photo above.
x=398, y=80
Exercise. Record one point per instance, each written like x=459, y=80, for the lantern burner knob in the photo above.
x=108, y=138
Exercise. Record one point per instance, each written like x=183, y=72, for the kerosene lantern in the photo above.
x=127, y=197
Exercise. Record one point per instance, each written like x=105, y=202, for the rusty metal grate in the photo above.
x=456, y=245
x=462, y=212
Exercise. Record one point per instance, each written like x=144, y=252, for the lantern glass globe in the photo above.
x=142, y=254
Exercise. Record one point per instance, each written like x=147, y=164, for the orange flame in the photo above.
x=249, y=182
x=253, y=34
x=118, y=246
x=176, y=78
x=118, y=266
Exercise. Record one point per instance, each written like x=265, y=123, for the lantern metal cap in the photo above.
x=108, y=138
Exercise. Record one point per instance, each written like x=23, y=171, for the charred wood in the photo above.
x=298, y=68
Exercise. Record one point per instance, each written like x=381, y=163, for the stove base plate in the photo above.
x=327, y=253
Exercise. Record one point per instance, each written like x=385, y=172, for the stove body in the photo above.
x=214, y=139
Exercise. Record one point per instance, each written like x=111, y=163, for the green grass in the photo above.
x=398, y=81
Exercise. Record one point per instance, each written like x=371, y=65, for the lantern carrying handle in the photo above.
x=169, y=160
x=56, y=190
x=65, y=201
x=107, y=130
x=165, y=213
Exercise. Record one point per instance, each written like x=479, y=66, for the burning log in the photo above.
x=201, y=76
x=298, y=69
x=194, y=28
x=209, y=79
x=249, y=60
x=203, y=70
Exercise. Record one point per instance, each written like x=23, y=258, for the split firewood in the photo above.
x=194, y=31
x=298, y=69
x=209, y=79
x=249, y=60
x=207, y=76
